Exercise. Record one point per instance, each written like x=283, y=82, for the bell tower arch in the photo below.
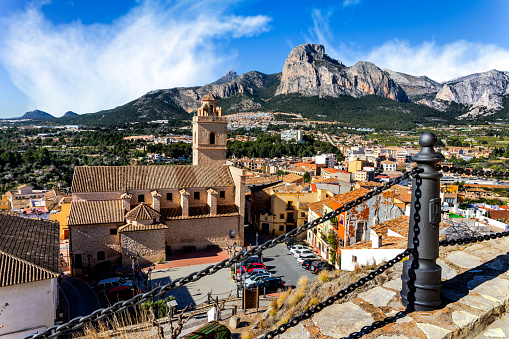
x=209, y=133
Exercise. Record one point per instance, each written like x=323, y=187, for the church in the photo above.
x=118, y=212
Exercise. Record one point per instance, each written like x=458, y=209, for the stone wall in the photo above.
x=201, y=232
x=148, y=244
x=92, y=239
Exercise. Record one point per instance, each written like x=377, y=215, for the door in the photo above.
x=265, y=228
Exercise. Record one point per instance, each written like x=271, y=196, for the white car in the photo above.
x=304, y=251
x=298, y=248
x=309, y=256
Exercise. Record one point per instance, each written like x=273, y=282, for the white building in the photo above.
x=29, y=267
x=327, y=159
x=292, y=135
x=389, y=166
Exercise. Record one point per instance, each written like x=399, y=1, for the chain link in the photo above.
x=160, y=291
x=339, y=295
x=474, y=239
x=473, y=172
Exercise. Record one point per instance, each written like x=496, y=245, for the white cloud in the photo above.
x=438, y=62
x=86, y=68
x=350, y=2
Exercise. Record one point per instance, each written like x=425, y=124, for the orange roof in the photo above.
x=310, y=164
x=331, y=170
x=398, y=225
x=209, y=97
x=347, y=197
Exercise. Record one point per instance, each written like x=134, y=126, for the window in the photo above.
x=196, y=195
x=169, y=196
x=232, y=234
x=302, y=214
x=141, y=198
x=281, y=216
x=101, y=255
x=212, y=138
x=113, y=231
x=281, y=228
x=354, y=259
x=222, y=194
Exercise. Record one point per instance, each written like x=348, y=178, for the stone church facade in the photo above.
x=121, y=211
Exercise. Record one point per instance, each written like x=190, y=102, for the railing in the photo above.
x=421, y=275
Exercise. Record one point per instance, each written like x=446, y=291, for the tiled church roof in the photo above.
x=140, y=227
x=88, y=212
x=29, y=250
x=142, y=212
x=124, y=178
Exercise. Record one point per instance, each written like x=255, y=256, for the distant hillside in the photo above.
x=155, y=105
x=37, y=114
x=69, y=114
x=320, y=87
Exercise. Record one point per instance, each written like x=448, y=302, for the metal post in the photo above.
x=421, y=274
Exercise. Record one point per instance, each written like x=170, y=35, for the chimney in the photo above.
x=184, y=202
x=156, y=200
x=212, y=201
x=377, y=241
x=126, y=201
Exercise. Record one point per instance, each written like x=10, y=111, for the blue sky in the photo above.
x=88, y=55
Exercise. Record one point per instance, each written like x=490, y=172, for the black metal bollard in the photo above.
x=421, y=275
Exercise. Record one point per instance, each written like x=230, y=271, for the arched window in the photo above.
x=212, y=138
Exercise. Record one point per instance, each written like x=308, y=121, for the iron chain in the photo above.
x=339, y=295
x=474, y=239
x=473, y=172
x=160, y=291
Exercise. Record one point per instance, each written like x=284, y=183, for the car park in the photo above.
x=323, y=265
x=298, y=248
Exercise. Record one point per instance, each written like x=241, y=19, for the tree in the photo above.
x=307, y=177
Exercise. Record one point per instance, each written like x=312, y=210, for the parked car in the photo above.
x=250, y=267
x=102, y=270
x=298, y=248
x=305, y=251
x=251, y=283
x=253, y=259
x=247, y=275
x=323, y=265
x=122, y=293
x=308, y=262
x=105, y=285
x=294, y=241
x=307, y=256
x=270, y=285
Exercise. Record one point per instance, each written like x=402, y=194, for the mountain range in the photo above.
x=311, y=80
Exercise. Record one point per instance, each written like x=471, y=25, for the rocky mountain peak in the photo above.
x=229, y=76
x=308, y=70
x=482, y=93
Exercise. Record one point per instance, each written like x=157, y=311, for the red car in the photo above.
x=250, y=267
x=122, y=293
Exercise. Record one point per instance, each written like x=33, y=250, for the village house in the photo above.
x=121, y=211
x=352, y=226
x=29, y=268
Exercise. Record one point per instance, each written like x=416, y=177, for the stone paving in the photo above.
x=475, y=299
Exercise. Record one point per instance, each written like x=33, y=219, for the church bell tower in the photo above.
x=209, y=133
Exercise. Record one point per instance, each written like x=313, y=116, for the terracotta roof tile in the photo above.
x=29, y=250
x=167, y=213
x=142, y=212
x=291, y=178
x=141, y=227
x=124, y=178
x=398, y=225
x=347, y=197
x=89, y=212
